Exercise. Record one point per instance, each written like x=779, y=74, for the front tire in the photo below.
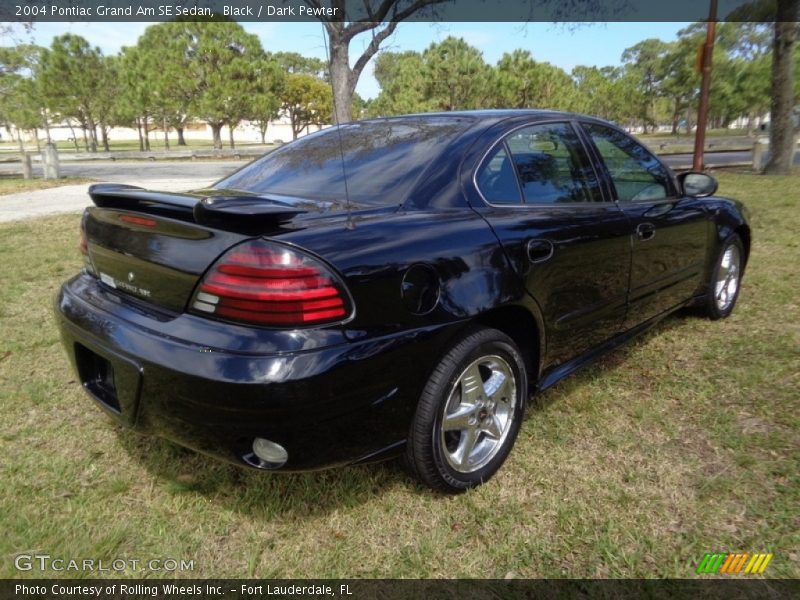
x=723, y=287
x=469, y=413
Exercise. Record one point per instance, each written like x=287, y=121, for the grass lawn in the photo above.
x=684, y=442
x=10, y=184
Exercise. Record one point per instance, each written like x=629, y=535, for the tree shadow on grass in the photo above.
x=265, y=495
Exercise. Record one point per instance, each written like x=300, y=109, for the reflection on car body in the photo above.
x=394, y=287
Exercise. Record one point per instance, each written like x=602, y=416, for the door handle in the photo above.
x=539, y=251
x=645, y=231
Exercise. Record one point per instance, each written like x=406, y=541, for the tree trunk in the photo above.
x=104, y=133
x=139, y=131
x=181, y=141
x=166, y=134
x=36, y=135
x=46, y=123
x=20, y=142
x=262, y=128
x=74, y=137
x=781, y=127
x=146, y=134
x=91, y=127
x=343, y=82
x=216, y=133
x=230, y=136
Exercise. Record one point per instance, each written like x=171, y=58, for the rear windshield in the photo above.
x=382, y=160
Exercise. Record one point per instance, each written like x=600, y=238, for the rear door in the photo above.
x=669, y=233
x=570, y=246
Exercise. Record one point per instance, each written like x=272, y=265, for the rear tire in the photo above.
x=469, y=413
x=723, y=287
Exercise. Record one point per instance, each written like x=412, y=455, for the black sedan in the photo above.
x=398, y=286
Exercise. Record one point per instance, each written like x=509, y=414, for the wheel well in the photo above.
x=518, y=324
x=744, y=233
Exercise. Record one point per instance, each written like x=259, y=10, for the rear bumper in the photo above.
x=327, y=400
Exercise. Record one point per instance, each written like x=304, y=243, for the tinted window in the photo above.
x=496, y=179
x=382, y=160
x=636, y=173
x=552, y=165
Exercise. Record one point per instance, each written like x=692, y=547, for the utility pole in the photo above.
x=705, y=87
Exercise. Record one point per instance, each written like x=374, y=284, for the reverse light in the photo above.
x=269, y=284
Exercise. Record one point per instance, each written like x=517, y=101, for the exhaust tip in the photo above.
x=272, y=454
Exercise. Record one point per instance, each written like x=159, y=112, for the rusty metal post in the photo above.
x=705, y=87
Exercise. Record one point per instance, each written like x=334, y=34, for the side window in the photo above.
x=496, y=179
x=637, y=175
x=552, y=166
x=546, y=161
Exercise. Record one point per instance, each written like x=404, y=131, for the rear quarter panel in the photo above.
x=374, y=255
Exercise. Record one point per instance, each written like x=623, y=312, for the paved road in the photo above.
x=162, y=175
x=141, y=171
x=716, y=159
x=145, y=172
x=186, y=175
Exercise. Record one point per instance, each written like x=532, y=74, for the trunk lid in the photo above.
x=156, y=246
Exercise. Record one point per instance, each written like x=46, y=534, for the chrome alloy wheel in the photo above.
x=478, y=414
x=727, y=283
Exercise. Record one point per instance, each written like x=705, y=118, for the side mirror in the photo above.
x=697, y=185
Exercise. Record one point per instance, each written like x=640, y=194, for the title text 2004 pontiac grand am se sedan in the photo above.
x=397, y=287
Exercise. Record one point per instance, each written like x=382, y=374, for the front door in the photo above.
x=669, y=233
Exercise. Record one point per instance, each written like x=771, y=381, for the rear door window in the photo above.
x=550, y=166
x=496, y=179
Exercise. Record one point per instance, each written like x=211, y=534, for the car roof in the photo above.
x=492, y=116
x=499, y=113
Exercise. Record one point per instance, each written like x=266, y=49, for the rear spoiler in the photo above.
x=216, y=211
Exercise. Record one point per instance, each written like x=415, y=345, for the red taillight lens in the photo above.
x=268, y=284
x=137, y=220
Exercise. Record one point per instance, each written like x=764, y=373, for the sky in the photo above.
x=593, y=44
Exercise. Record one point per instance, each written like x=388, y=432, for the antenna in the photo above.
x=349, y=224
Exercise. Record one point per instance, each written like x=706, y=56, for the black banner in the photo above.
x=249, y=589
x=33, y=11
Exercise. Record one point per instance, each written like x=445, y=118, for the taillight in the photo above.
x=83, y=246
x=269, y=284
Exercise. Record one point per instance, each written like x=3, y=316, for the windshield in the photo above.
x=382, y=160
